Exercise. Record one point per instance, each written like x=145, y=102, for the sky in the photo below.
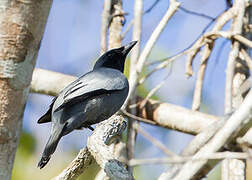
x=71, y=45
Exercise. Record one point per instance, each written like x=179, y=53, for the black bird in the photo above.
x=90, y=99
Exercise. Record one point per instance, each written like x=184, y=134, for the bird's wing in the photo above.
x=47, y=116
x=92, y=84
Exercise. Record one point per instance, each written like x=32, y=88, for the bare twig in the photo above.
x=153, y=91
x=104, y=25
x=127, y=29
x=247, y=58
x=166, y=62
x=149, y=45
x=151, y=7
x=182, y=159
x=196, y=13
x=156, y=142
x=221, y=21
x=234, y=53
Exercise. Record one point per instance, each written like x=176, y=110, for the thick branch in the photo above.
x=98, y=143
x=83, y=160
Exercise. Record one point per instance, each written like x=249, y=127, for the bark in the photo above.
x=21, y=28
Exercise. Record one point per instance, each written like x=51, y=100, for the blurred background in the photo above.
x=71, y=45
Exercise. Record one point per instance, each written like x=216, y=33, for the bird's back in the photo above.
x=99, y=93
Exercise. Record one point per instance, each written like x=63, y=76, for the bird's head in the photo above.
x=115, y=58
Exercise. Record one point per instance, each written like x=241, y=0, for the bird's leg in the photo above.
x=85, y=126
x=91, y=128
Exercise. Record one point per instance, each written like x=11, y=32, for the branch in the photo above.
x=115, y=27
x=156, y=142
x=221, y=21
x=83, y=160
x=234, y=53
x=198, y=141
x=161, y=114
x=238, y=120
x=98, y=145
x=104, y=25
x=183, y=159
x=99, y=148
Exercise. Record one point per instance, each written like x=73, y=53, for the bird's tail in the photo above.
x=51, y=146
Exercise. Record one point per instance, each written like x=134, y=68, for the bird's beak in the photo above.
x=128, y=47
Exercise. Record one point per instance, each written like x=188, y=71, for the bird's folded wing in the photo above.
x=88, y=87
x=47, y=116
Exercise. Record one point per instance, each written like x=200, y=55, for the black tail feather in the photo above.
x=51, y=146
x=43, y=161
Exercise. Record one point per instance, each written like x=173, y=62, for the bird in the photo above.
x=92, y=98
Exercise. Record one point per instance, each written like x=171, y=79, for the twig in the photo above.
x=165, y=63
x=196, y=13
x=247, y=58
x=221, y=21
x=190, y=45
x=151, y=7
x=153, y=91
x=200, y=77
x=181, y=159
x=243, y=40
x=104, y=25
x=149, y=45
x=156, y=142
x=234, y=53
x=127, y=29
x=138, y=118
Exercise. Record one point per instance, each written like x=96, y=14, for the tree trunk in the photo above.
x=22, y=25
